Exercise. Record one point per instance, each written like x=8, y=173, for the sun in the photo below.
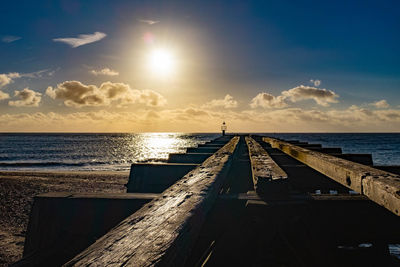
x=162, y=62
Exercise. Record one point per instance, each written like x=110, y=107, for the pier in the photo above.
x=238, y=200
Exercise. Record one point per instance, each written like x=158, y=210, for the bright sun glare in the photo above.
x=161, y=62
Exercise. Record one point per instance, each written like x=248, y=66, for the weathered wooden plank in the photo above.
x=379, y=186
x=164, y=230
x=268, y=178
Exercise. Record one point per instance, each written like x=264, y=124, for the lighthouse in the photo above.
x=223, y=128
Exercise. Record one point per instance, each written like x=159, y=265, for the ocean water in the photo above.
x=384, y=147
x=115, y=152
x=84, y=152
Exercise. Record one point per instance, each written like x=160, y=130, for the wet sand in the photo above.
x=17, y=189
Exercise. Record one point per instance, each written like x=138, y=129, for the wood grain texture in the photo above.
x=268, y=178
x=163, y=231
x=379, y=186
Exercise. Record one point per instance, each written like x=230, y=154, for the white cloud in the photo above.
x=29, y=98
x=10, y=38
x=316, y=82
x=148, y=21
x=6, y=79
x=105, y=71
x=266, y=100
x=82, y=39
x=38, y=74
x=321, y=96
x=380, y=104
x=76, y=94
x=226, y=102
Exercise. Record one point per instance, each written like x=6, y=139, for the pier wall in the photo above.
x=63, y=224
x=156, y=177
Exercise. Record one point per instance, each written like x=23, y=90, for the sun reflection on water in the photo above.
x=115, y=151
x=159, y=145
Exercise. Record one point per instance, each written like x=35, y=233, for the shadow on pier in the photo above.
x=234, y=201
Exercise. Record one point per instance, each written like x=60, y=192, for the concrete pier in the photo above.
x=156, y=177
x=188, y=157
x=62, y=224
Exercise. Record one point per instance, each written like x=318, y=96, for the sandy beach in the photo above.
x=17, y=189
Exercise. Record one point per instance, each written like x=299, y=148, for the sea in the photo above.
x=117, y=151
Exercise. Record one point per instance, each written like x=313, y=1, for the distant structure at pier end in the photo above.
x=223, y=128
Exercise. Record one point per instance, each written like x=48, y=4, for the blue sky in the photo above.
x=261, y=54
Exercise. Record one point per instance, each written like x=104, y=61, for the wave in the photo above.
x=39, y=164
x=74, y=164
x=52, y=164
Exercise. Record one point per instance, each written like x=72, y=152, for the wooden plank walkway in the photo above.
x=163, y=231
x=268, y=178
x=379, y=186
x=253, y=203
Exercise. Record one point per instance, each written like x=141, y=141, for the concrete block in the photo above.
x=211, y=145
x=63, y=224
x=365, y=159
x=188, y=157
x=156, y=177
x=202, y=149
x=308, y=146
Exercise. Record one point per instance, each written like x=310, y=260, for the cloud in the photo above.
x=82, y=39
x=4, y=95
x=316, y=82
x=149, y=98
x=193, y=119
x=38, y=74
x=321, y=96
x=380, y=104
x=10, y=38
x=76, y=94
x=226, y=102
x=6, y=79
x=267, y=100
x=148, y=21
x=105, y=71
x=29, y=98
